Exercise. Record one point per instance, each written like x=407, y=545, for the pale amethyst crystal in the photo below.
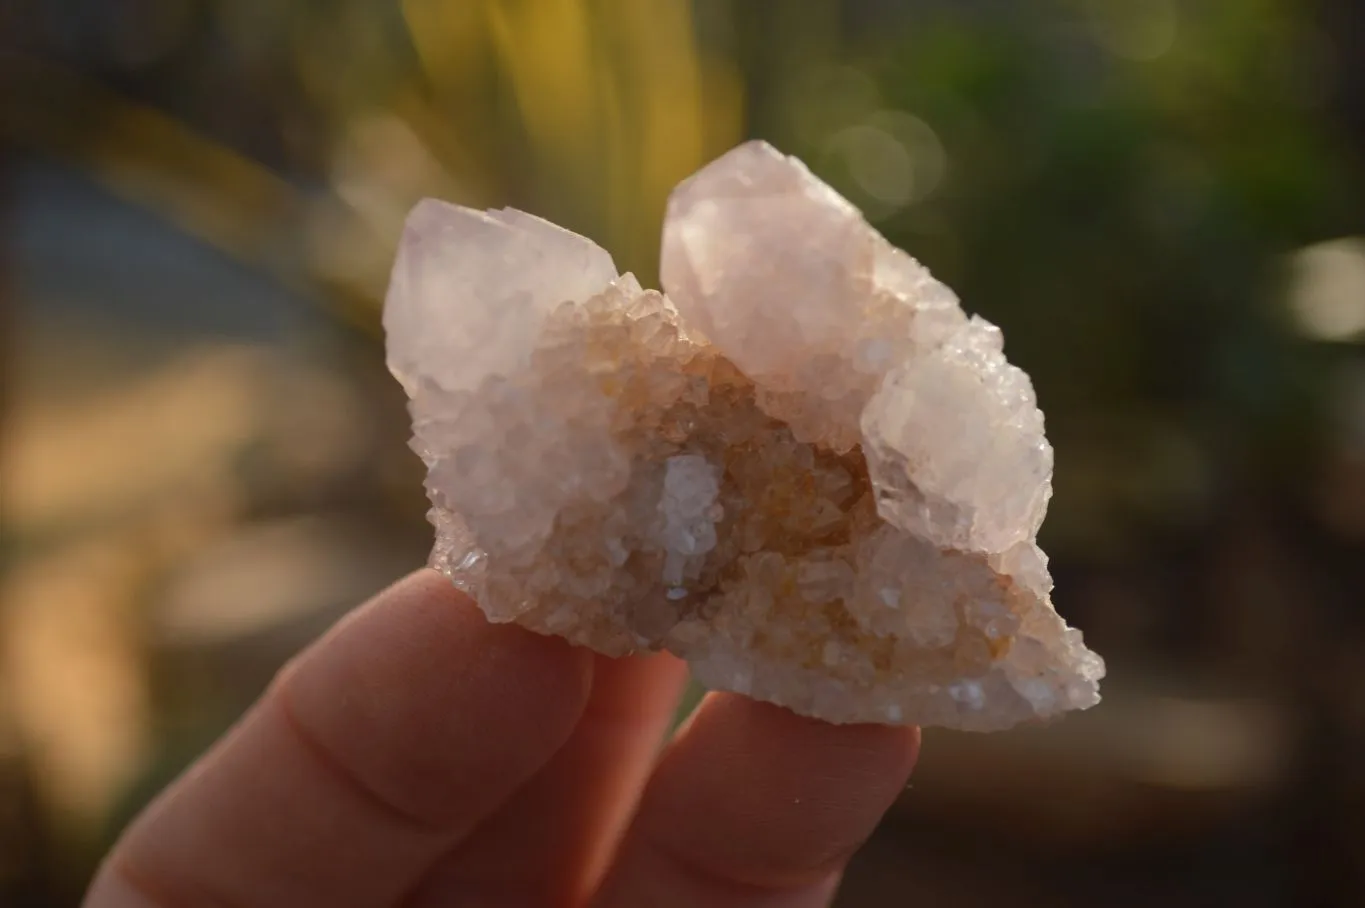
x=804, y=470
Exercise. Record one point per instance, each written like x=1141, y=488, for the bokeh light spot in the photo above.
x=877, y=162
x=893, y=158
x=1327, y=289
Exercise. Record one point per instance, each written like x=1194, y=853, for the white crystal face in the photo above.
x=955, y=445
x=804, y=470
x=491, y=277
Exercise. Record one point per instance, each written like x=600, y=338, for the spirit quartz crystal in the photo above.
x=802, y=468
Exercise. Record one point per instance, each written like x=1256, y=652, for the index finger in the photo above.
x=378, y=749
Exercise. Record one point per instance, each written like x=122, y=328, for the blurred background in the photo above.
x=203, y=461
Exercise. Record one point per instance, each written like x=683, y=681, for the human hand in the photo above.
x=419, y=756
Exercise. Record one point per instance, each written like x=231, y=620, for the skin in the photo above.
x=419, y=756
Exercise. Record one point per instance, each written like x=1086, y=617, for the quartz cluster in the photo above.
x=803, y=468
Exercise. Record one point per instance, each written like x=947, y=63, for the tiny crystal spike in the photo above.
x=804, y=470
